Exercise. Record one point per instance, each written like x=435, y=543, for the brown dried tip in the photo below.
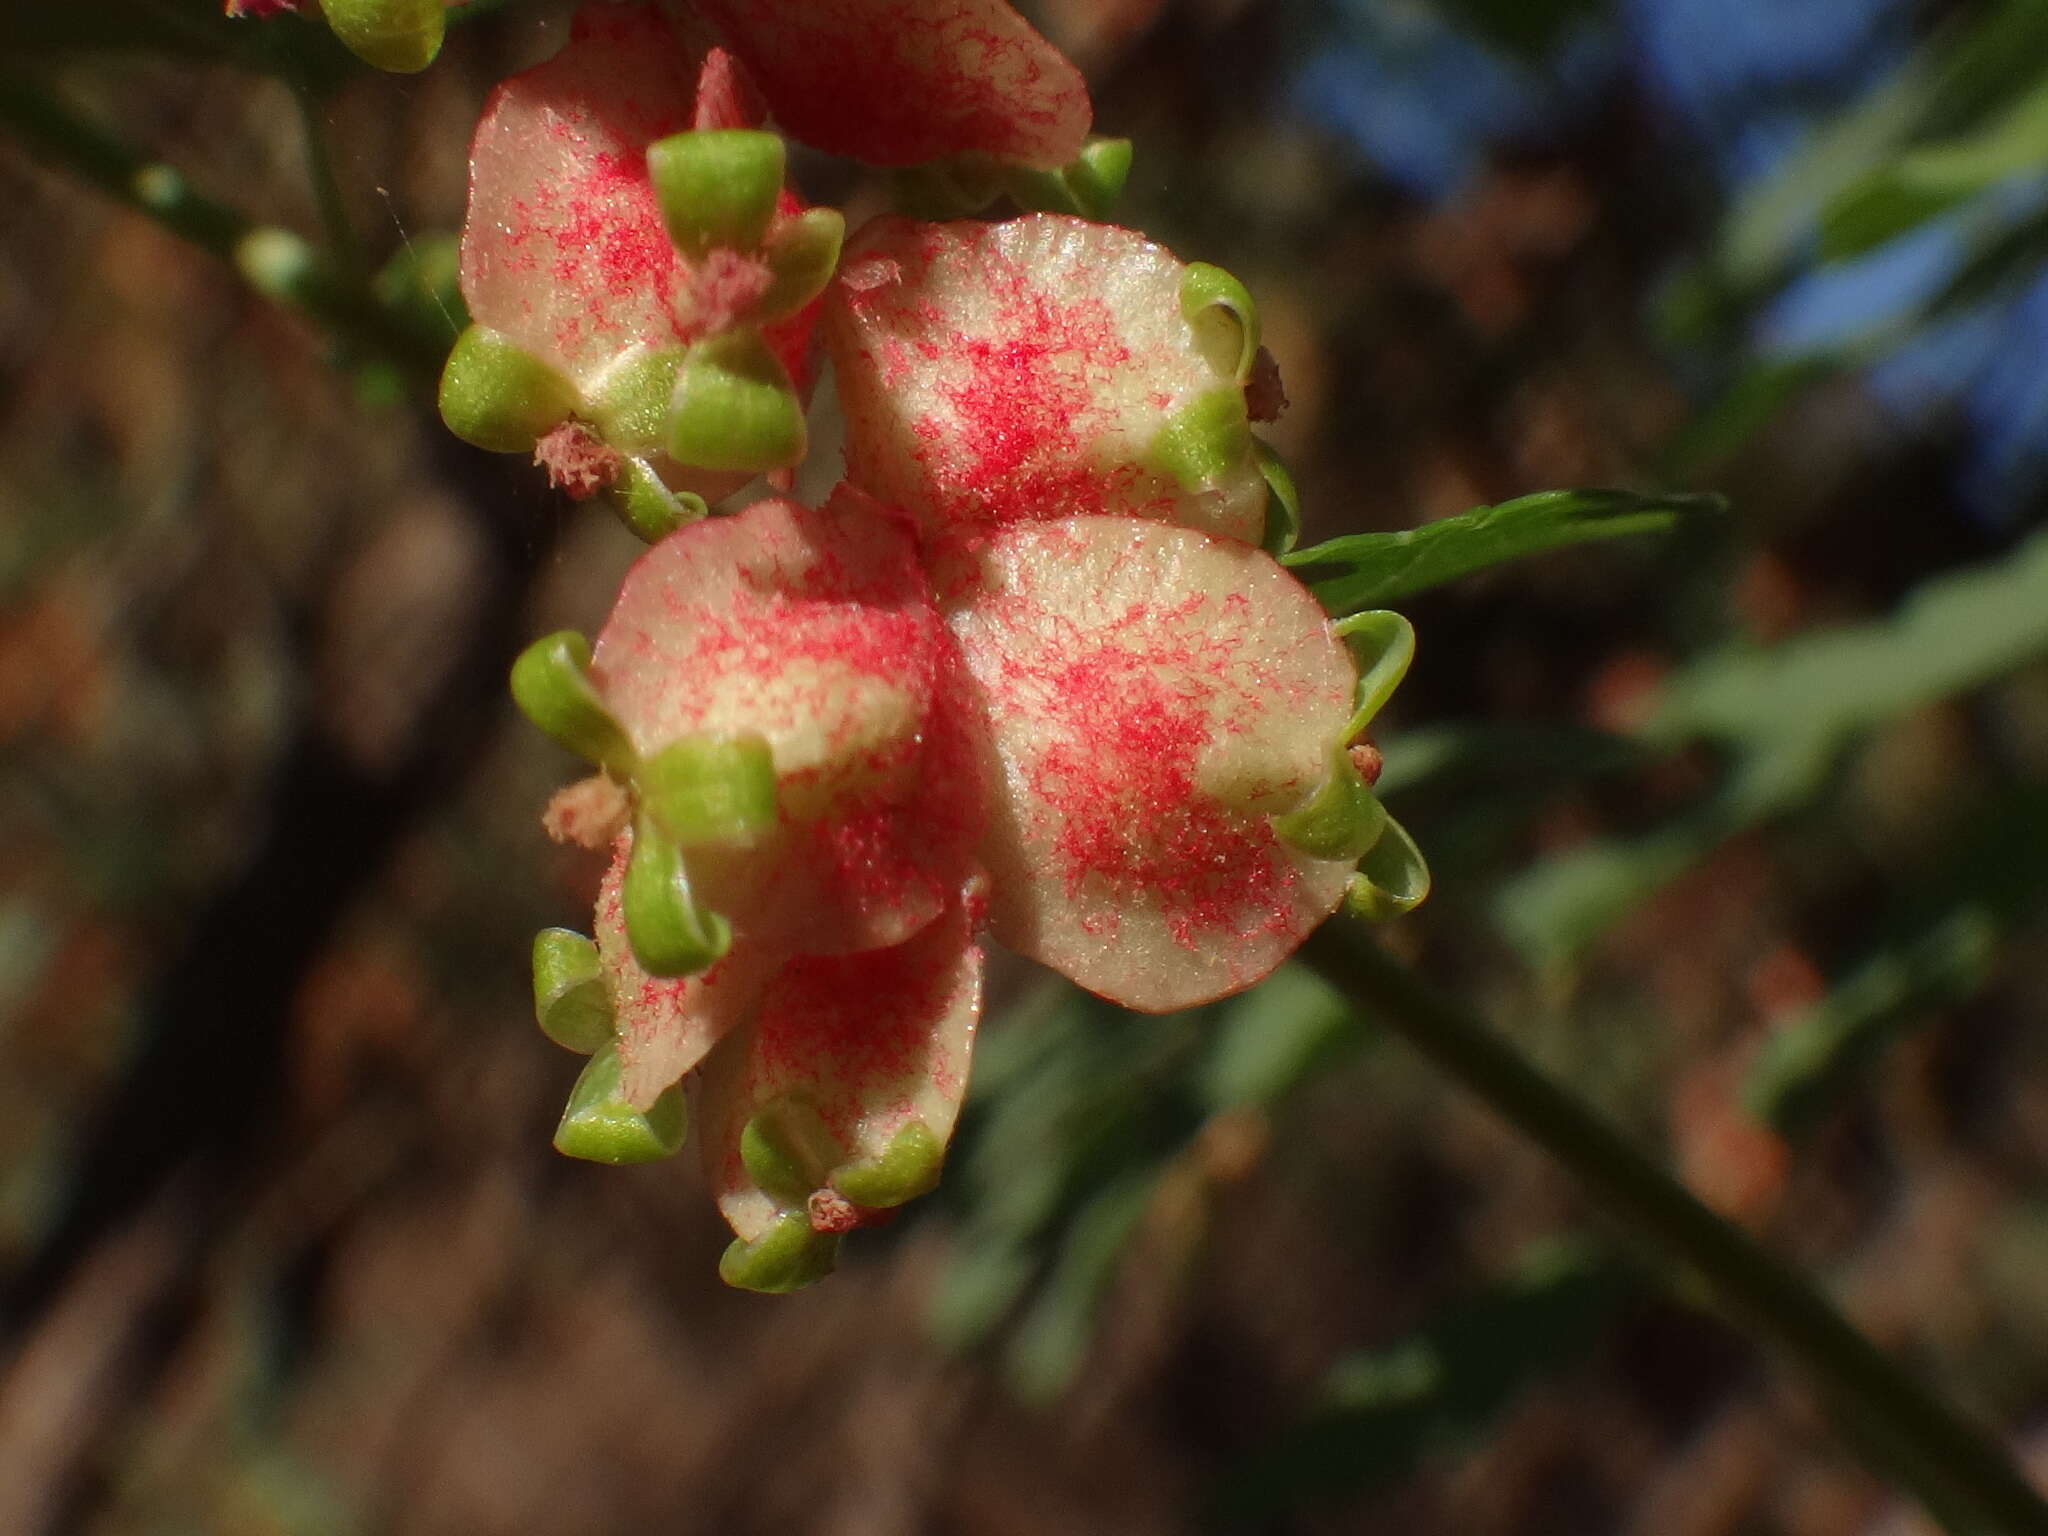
x=1367, y=759
x=832, y=1212
x=1265, y=397
x=577, y=460
x=589, y=813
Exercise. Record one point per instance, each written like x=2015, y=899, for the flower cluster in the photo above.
x=1031, y=671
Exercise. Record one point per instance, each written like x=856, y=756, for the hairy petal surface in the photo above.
x=1004, y=373
x=563, y=250
x=896, y=82
x=814, y=630
x=851, y=1050
x=1152, y=697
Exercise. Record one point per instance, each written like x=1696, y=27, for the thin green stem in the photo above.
x=1905, y=1432
x=275, y=262
x=327, y=196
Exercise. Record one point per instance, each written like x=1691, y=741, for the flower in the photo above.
x=1075, y=734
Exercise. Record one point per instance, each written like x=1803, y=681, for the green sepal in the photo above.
x=1225, y=319
x=401, y=36
x=1086, y=187
x=1098, y=174
x=1283, y=501
x=671, y=935
x=710, y=790
x=647, y=506
x=570, y=999
x=1344, y=818
x=734, y=407
x=1204, y=440
x=551, y=685
x=786, y=1149
x=500, y=396
x=629, y=405
x=787, y=1257
x=907, y=1168
x=1392, y=879
x=802, y=253
x=1383, y=644
x=601, y=1126
x=717, y=187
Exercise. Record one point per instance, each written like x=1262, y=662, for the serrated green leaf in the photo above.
x=1370, y=570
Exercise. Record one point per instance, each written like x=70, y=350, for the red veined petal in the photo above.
x=1153, y=696
x=1003, y=373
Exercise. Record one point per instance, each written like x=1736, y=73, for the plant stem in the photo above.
x=1902, y=1430
x=273, y=261
x=347, y=251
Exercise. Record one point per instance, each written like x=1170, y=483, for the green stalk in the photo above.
x=273, y=261
x=1903, y=1431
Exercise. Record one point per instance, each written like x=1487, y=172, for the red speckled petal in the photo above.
x=872, y=1041
x=815, y=630
x=896, y=82
x=665, y=1026
x=1153, y=695
x=563, y=249
x=1004, y=373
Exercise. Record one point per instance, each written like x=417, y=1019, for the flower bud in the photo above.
x=734, y=407
x=499, y=396
x=570, y=999
x=399, y=35
x=1226, y=321
x=601, y=1125
x=551, y=685
x=717, y=187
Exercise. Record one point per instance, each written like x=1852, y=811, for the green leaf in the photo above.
x=1927, y=181
x=1784, y=714
x=1369, y=570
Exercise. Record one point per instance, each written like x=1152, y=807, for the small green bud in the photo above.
x=1283, y=502
x=630, y=403
x=1226, y=321
x=734, y=407
x=908, y=1168
x=717, y=187
x=671, y=935
x=802, y=253
x=570, y=999
x=398, y=35
x=276, y=263
x=499, y=396
x=601, y=1126
x=1204, y=440
x=551, y=685
x=1392, y=879
x=710, y=790
x=787, y=1257
x=647, y=506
